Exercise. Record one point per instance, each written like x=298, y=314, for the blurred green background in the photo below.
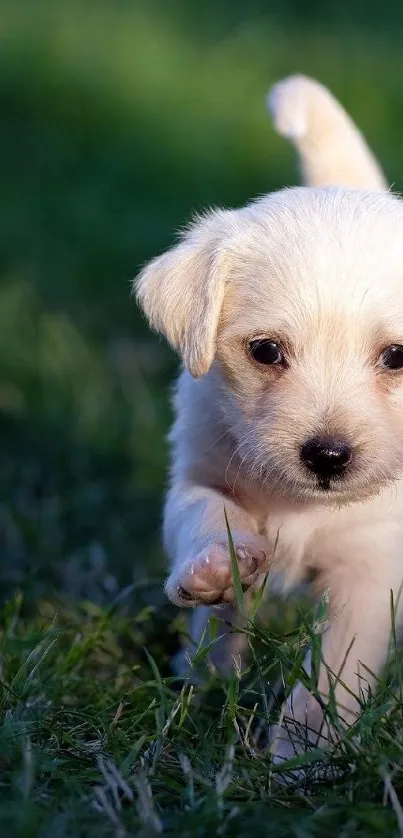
x=119, y=120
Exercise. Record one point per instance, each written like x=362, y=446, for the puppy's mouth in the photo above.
x=341, y=490
x=334, y=484
x=336, y=489
x=356, y=484
x=329, y=492
x=331, y=486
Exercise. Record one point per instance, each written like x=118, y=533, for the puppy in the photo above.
x=288, y=316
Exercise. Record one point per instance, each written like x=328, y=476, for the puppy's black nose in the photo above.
x=326, y=458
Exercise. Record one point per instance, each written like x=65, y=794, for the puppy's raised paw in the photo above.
x=207, y=579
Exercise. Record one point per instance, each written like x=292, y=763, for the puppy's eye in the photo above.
x=392, y=357
x=267, y=352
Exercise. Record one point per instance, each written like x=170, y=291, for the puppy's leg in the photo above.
x=226, y=651
x=355, y=645
x=332, y=150
x=196, y=538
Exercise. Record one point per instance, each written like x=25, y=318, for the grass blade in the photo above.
x=239, y=596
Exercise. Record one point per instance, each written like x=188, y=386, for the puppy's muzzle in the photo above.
x=327, y=459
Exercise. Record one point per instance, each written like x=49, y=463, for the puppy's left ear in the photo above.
x=181, y=292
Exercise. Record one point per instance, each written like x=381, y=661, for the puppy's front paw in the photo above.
x=207, y=579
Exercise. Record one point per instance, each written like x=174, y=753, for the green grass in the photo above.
x=97, y=738
x=118, y=121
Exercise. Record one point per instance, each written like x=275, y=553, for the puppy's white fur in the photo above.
x=319, y=270
x=332, y=150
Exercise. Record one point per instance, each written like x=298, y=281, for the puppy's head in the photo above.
x=298, y=301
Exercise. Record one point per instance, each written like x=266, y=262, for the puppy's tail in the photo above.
x=332, y=151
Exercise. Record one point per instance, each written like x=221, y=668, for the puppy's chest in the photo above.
x=291, y=534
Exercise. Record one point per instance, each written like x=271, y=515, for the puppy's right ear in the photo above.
x=181, y=292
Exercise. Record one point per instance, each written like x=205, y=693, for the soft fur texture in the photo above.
x=320, y=271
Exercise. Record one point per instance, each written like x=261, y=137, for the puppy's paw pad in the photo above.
x=208, y=578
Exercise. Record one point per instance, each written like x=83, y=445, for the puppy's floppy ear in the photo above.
x=181, y=292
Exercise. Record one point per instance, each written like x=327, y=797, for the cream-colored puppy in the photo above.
x=288, y=315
